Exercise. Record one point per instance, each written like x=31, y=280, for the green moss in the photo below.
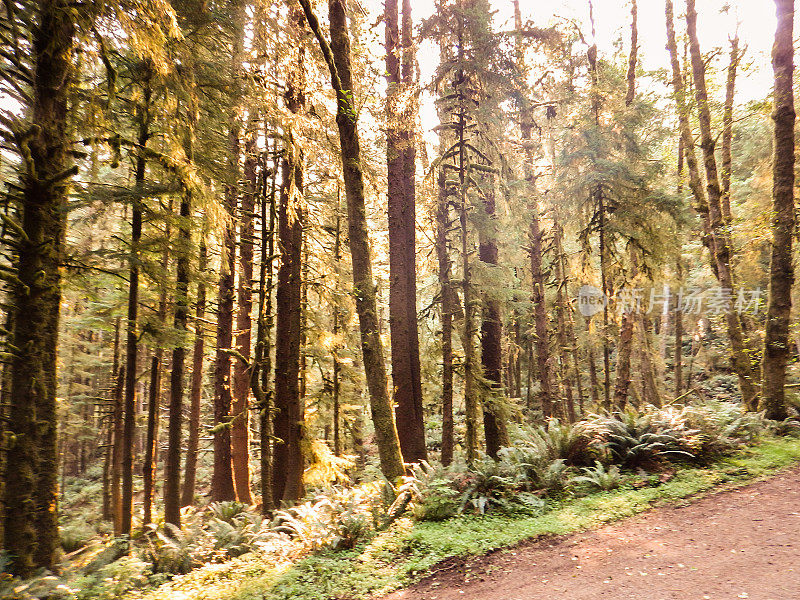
x=394, y=558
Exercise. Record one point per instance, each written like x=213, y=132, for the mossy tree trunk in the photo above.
x=781, y=277
x=400, y=161
x=337, y=58
x=723, y=251
x=31, y=475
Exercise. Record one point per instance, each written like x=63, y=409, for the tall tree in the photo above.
x=240, y=428
x=400, y=161
x=31, y=485
x=722, y=242
x=196, y=388
x=337, y=58
x=222, y=486
x=287, y=473
x=494, y=426
x=781, y=272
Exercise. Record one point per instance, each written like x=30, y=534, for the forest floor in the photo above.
x=740, y=543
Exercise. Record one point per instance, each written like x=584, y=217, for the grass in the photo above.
x=393, y=559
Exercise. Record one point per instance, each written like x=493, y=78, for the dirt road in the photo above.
x=742, y=543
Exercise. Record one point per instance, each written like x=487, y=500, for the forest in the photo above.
x=286, y=277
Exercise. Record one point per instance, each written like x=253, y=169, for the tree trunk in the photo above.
x=195, y=394
x=240, y=429
x=494, y=426
x=631, y=76
x=722, y=245
x=400, y=161
x=650, y=392
x=623, y=370
x=263, y=359
x=172, y=464
x=151, y=443
x=543, y=363
x=727, y=133
x=116, y=456
x=287, y=481
x=561, y=316
x=781, y=277
x=222, y=487
x=31, y=476
x=154, y=393
x=337, y=329
x=337, y=57
x=442, y=253
x=131, y=352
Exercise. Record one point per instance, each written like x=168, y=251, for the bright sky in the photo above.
x=756, y=22
x=612, y=19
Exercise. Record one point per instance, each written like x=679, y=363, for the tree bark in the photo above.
x=631, y=75
x=727, y=132
x=172, y=464
x=494, y=426
x=565, y=345
x=116, y=457
x=337, y=58
x=154, y=393
x=31, y=471
x=287, y=451
x=400, y=161
x=131, y=348
x=222, y=486
x=781, y=277
x=446, y=291
x=195, y=393
x=240, y=429
x=263, y=359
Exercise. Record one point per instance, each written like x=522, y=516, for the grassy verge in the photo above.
x=394, y=558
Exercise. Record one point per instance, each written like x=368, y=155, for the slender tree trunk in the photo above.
x=722, y=244
x=151, y=444
x=172, y=464
x=337, y=329
x=400, y=160
x=109, y=504
x=598, y=198
x=222, y=487
x=678, y=352
x=543, y=363
x=131, y=352
x=261, y=379
x=196, y=390
x=337, y=57
x=154, y=393
x=287, y=474
x=442, y=227
x=776, y=339
x=727, y=132
x=494, y=426
x=650, y=392
x=240, y=429
x=561, y=316
x=631, y=76
x=117, y=450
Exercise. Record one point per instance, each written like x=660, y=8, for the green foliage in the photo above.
x=557, y=440
x=634, y=439
x=599, y=477
x=228, y=510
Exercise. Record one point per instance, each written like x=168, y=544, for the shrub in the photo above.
x=599, y=477
x=634, y=439
x=556, y=440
